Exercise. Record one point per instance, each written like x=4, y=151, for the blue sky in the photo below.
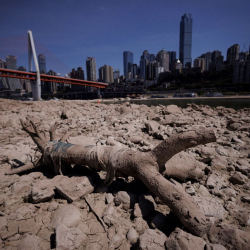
x=75, y=29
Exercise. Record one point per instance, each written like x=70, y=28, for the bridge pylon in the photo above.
x=36, y=85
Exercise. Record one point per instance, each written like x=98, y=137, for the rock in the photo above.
x=74, y=188
x=182, y=240
x=29, y=226
x=109, y=216
x=53, y=206
x=132, y=236
x=69, y=238
x=152, y=126
x=135, y=139
x=30, y=242
x=65, y=114
x=68, y=216
x=152, y=239
x=22, y=190
x=215, y=180
x=137, y=211
x=238, y=178
x=127, y=199
x=172, y=109
x=211, y=208
x=229, y=236
x=246, y=199
x=140, y=225
x=43, y=190
x=219, y=163
x=111, y=141
x=109, y=198
x=214, y=247
x=190, y=190
x=116, y=241
x=184, y=166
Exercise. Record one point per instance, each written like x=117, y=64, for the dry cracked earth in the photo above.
x=41, y=211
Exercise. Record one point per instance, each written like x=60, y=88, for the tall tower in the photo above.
x=172, y=58
x=91, y=69
x=233, y=54
x=185, y=48
x=42, y=64
x=128, y=60
x=163, y=58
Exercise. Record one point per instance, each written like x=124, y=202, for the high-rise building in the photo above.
x=116, y=75
x=199, y=62
x=163, y=58
x=150, y=71
x=233, y=54
x=106, y=74
x=151, y=57
x=157, y=70
x=177, y=64
x=219, y=65
x=172, y=58
x=185, y=46
x=42, y=64
x=91, y=69
x=134, y=71
x=208, y=59
x=143, y=68
x=239, y=72
x=128, y=60
x=215, y=54
x=11, y=62
x=243, y=56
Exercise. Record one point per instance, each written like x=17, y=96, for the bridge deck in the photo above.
x=48, y=78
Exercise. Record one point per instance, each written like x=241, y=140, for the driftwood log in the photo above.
x=145, y=166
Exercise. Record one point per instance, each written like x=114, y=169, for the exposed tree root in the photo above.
x=145, y=166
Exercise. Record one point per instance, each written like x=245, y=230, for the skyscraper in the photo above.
x=163, y=58
x=42, y=64
x=128, y=60
x=116, y=75
x=199, y=62
x=91, y=69
x=233, y=54
x=215, y=54
x=134, y=70
x=106, y=74
x=172, y=58
x=185, y=47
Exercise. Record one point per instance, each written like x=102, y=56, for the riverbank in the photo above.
x=71, y=211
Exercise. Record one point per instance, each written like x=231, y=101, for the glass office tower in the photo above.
x=185, y=48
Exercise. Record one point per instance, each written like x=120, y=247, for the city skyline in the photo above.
x=109, y=28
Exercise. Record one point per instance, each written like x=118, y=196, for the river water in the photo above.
x=235, y=103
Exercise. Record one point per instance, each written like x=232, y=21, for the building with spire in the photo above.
x=185, y=45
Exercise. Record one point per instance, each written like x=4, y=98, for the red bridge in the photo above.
x=48, y=78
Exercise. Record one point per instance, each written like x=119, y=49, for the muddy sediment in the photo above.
x=41, y=211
